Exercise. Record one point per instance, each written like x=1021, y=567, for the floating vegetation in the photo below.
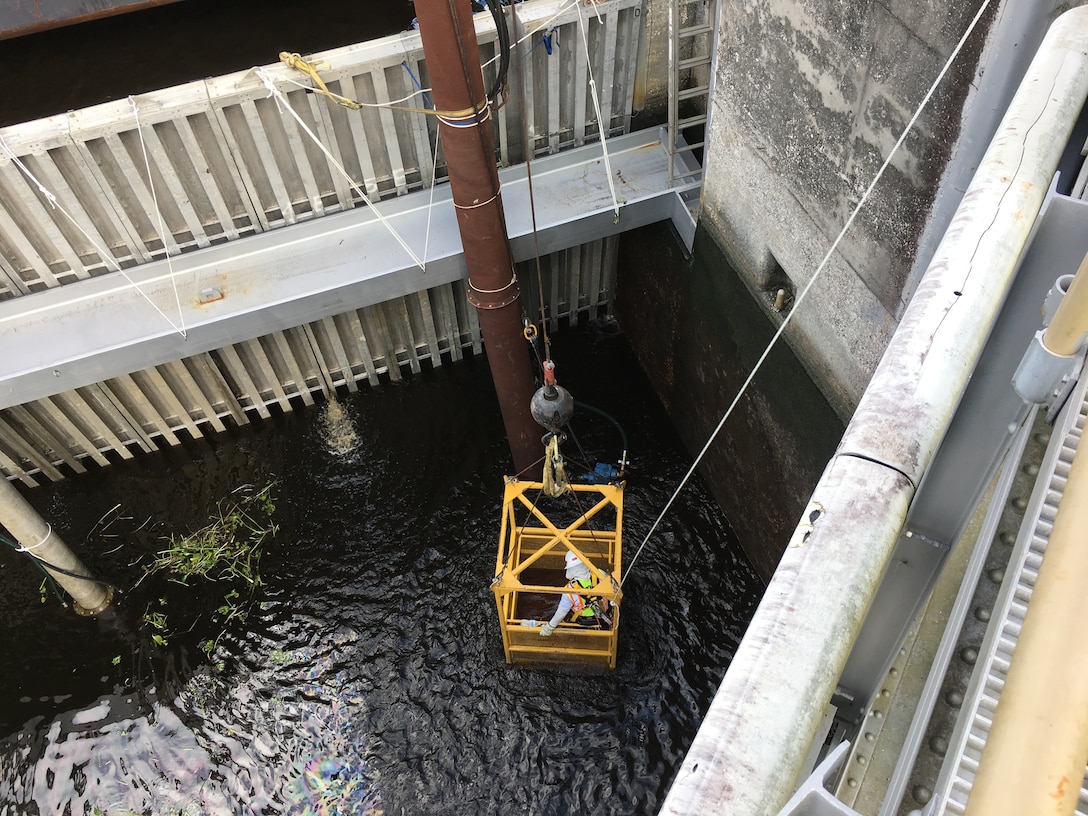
x=227, y=549
x=229, y=546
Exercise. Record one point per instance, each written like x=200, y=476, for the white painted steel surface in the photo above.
x=277, y=280
x=228, y=170
x=225, y=162
x=751, y=748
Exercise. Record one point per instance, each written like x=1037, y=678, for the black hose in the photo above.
x=599, y=412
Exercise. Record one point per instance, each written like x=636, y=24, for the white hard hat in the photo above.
x=575, y=567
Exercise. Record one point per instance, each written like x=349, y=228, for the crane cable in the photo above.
x=529, y=150
x=808, y=286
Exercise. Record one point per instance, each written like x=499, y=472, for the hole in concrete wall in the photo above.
x=778, y=287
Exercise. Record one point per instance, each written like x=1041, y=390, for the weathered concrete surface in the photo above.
x=697, y=333
x=810, y=100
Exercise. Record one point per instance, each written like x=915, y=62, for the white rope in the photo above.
x=601, y=129
x=48, y=532
x=105, y=255
x=812, y=280
x=282, y=103
x=430, y=201
x=158, y=212
x=424, y=91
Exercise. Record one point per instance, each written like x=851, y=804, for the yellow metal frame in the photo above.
x=543, y=544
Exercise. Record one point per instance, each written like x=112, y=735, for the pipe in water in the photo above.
x=35, y=535
x=453, y=67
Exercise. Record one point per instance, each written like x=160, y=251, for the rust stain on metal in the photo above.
x=210, y=294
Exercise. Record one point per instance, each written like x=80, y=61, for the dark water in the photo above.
x=368, y=675
x=70, y=68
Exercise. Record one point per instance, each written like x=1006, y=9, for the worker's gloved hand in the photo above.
x=546, y=630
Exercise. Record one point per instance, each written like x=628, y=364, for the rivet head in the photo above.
x=851, y=782
x=870, y=736
x=1020, y=503
x=861, y=760
x=921, y=794
x=996, y=575
x=954, y=699
x=969, y=655
x=982, y=613
x=939, y=745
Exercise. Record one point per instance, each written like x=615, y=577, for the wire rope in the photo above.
x=808, y=286
x=602, y=130
x=158, y=211
x=529, y=151
x=282, y=103
x=107, y=257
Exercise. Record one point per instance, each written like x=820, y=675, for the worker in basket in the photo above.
x=584, y=610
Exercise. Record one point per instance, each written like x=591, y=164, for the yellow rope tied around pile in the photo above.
x=468, y=117
x=555, y=472
x=297, y=62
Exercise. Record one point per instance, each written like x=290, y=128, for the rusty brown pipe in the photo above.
x=453, y=67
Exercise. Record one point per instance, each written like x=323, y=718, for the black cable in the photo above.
x=599, y=412
x=43, y=564
x=71, y=574
x=504, y=49
x=49, y=578
x=488, y=160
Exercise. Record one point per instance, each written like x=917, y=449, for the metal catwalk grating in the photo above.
x=982, y=695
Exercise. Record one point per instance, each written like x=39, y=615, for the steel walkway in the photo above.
x=218, y=295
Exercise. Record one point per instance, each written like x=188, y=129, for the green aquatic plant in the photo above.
x=228, y=547
x=157, y=621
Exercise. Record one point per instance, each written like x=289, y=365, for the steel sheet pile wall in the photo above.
x=108, y=188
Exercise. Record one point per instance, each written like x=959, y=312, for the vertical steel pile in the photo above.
x=453, y=67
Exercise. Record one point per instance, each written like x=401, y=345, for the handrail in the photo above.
x=751, y=749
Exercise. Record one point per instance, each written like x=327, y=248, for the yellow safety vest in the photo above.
x=579, y=607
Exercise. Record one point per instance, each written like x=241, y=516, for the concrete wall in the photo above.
x=697, y=334
x=810, y=98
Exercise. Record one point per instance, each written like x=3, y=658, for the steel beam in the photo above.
x=102, y=327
